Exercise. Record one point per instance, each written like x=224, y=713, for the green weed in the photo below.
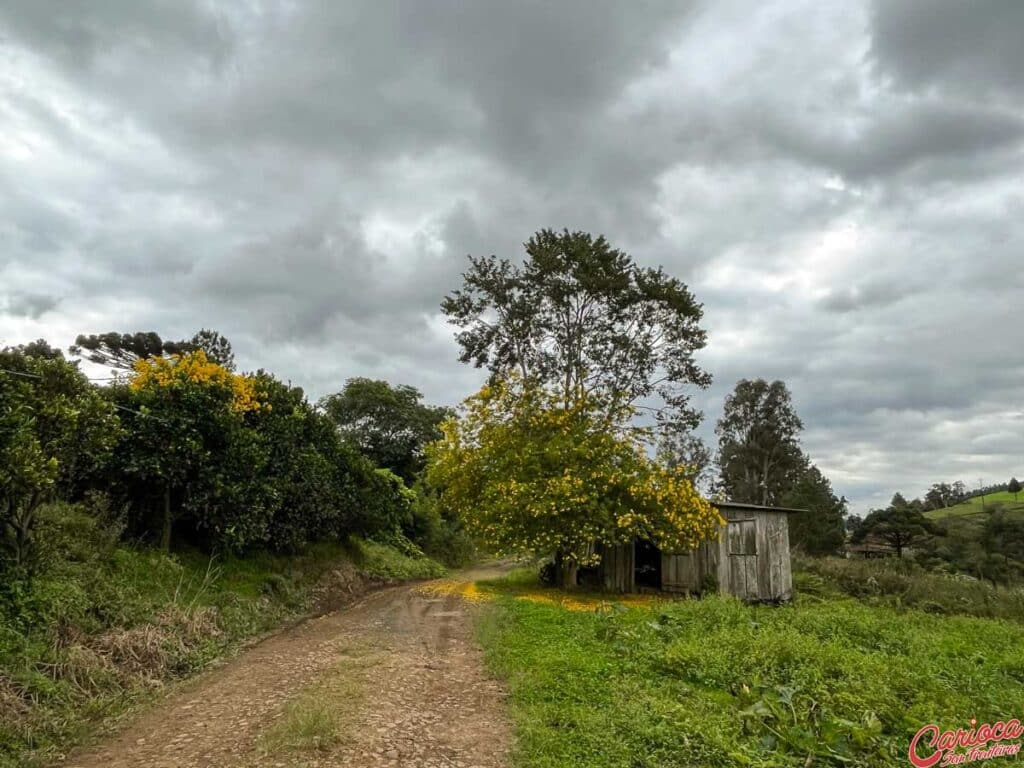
x=715, y=682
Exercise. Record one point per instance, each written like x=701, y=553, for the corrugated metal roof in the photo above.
x=760, y=507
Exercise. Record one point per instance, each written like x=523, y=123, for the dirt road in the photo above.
x=399, y=668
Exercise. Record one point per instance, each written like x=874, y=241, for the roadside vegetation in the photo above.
x=105, y=626
x=828, y=680
x=904, y=584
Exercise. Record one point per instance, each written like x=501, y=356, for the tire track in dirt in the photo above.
x=427, y=701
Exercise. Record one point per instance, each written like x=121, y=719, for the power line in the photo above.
x=20, y=373
x=37, y=376
x=115, y=405
x=140, y=413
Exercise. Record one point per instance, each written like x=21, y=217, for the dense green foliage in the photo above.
x=56, y=429
x=900, y=525
x=818, y=529
x=389, y=424
x=987, y=545
x=715, y=682
x=193, y=452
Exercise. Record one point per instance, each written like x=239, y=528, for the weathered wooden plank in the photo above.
x=765, y=554
x=722, y=566
x=753, y=591
x=785, y=591
x=748, y=529
x=737, y=576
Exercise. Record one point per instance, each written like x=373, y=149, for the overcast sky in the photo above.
x=840, y=183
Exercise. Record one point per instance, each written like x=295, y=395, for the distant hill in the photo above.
x=973, y=506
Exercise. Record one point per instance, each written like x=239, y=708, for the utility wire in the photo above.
x=119, y=407
x=37, y=376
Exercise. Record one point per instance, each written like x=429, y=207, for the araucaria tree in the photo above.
x=759, y=456
x=900, y=525
x=585, y=321
x=529, y=473
x=123, y=350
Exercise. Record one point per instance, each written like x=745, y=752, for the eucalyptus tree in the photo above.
x=759, y=456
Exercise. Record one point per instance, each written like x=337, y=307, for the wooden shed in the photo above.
x=749, y=559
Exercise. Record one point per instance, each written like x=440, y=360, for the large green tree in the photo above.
x=687, y=452
x=759, y=456
x=1003, y=536
x=900, y=525
x=583, y=319
x=325, y=487
x=214, y=344
x=389, y=423
x=189, y=445
x=55, y=430
x=819, y=529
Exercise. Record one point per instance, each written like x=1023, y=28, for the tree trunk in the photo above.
x=570, y=575
x=165, y=533
x=566, y=572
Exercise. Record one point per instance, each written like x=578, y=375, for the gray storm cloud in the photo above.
x=840, y=183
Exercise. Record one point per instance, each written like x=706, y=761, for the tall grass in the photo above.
x=903, y=584
x=715, y=682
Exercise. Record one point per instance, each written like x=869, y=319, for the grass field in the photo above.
x=714, y=682
x=974, y=506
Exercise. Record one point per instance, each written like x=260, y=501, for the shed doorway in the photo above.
x=647, y=568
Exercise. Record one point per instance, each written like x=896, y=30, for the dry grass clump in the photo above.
x=151, y=651
x=15, y=701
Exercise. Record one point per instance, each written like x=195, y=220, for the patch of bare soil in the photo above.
x=425, y=700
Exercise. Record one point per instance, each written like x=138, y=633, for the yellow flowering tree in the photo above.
x=529, y=474
x=180, y=372
x=190, y=444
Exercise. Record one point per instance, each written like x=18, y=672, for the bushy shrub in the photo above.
x=903, y=583
x=387, y=563
x=441, y=537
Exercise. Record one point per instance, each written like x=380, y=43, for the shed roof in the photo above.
x=753, y=507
